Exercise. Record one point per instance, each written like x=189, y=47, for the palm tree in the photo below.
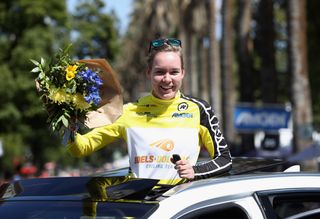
x=186, y=34
x=265, y=47
x=301, y=99
x=213, y=60
x=264, y=44
x=228, y=87
x=244, y=58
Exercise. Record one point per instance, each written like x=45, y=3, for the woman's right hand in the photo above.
x=185, y=170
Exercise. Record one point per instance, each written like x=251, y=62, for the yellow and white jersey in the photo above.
x=154, y=129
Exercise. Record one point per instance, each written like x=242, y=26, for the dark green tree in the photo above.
x=93, y=31
x=31, y=30
x=28, y=30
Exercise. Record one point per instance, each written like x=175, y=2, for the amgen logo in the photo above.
x=261, y=118
x=182, y=115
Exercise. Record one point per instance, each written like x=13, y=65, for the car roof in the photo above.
x=253, y=182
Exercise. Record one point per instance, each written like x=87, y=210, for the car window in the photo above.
x=312, y=214
x=222, y=211
x=284, y=204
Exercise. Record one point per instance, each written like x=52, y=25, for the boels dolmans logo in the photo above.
x=164, y=144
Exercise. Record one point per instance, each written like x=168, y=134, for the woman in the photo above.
x=164, y=123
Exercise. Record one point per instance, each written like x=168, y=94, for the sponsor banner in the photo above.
x=265, y=118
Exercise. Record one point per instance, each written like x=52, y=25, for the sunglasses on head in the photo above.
x=160, y=42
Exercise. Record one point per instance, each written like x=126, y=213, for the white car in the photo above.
x=281, y=195
x=247, y=191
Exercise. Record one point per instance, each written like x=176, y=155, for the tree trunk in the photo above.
x=213, y=62
x=194, y=67
x=187, y=44
x=266, y=51
x=265, y=46
x=204, y=78
x=228, y=87
x=186, y=32
x=244, y=51
x=244, y=54
x=301, y=99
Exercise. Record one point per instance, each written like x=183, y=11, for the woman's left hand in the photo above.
x=184, y=169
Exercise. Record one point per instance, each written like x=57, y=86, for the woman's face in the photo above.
x=166, y=75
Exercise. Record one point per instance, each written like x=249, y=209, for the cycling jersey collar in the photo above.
x=162, y=101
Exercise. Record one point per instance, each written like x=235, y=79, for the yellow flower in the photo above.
x=71, y=71
x=70, y=75
x=58, y=96
x=79, y=102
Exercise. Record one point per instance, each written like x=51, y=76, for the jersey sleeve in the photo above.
x=212, y=138
x=95, y=139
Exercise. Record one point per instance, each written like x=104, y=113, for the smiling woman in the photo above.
x=162, y=124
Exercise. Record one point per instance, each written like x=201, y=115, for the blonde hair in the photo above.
x=165, y=48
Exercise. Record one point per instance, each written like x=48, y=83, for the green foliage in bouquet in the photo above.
x=68, y=89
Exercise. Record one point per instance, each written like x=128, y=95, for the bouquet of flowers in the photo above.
x=70, y=90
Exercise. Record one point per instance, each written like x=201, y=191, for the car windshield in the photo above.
x=77, y=197
x=74, y=209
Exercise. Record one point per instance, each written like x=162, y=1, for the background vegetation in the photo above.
x=258, y=51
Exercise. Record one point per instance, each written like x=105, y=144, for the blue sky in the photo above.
x=122, y=9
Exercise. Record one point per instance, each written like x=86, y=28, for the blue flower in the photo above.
x=93, y=82
x=93, y=97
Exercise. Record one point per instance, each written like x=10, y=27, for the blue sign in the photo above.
x=267, y=118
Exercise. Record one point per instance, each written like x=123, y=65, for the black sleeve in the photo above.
x=221, y=161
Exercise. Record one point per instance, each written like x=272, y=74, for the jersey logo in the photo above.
x=183, y=106
x=164, y=144
x=182, y=115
